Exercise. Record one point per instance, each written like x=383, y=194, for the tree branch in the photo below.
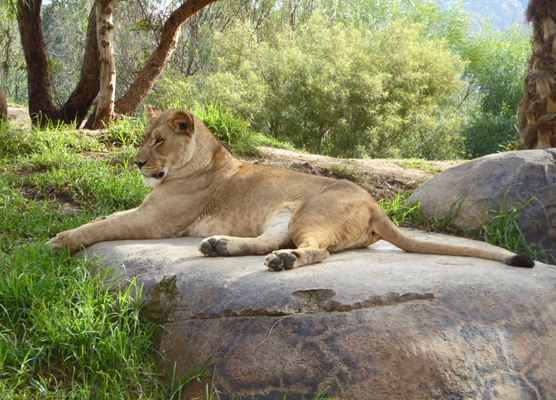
x=145, y=79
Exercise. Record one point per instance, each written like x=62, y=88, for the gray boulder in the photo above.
x=479, y=188
x=376, y=323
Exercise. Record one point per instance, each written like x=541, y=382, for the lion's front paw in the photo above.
x=53, y=244
x=280, y=260
x=214, y=247
x=62, y=240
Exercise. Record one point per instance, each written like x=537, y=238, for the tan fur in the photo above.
x=199, y=189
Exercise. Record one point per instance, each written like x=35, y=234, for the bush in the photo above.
x=496, y=70
x=334, y=89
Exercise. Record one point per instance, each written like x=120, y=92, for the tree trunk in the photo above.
x=104, y=112
x=537, y=110
x=86, y=91
x=146, y=78
x=38, y=74
x=3, y=106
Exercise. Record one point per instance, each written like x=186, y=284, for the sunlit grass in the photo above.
x=62, y=333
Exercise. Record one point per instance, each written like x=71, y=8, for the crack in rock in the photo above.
x=249, y=312
x=319, y=301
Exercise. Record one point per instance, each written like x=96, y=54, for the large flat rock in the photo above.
x=376, y=323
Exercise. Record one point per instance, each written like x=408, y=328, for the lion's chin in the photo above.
x=155, y=180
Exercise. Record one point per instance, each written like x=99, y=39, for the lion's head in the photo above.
x=168, y=144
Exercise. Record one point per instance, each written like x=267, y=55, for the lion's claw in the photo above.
x=52, y=245
x=212, y=247
x=278, y=261
x=62, y=240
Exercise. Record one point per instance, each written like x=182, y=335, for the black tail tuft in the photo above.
x=520, y=261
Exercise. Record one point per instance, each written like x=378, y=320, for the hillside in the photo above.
x=500, y=13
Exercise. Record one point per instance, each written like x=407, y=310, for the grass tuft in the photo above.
x=230, y=130
x=126, y=131
x=503, y=230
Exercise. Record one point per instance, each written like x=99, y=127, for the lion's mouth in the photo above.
x=160, y=175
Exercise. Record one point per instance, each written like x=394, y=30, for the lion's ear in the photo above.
x=182, y=122
x=151, y=111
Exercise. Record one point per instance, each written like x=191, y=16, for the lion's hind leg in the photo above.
x=275, y=236
x=336, y=220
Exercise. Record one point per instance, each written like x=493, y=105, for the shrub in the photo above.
x=496, y=70
x=335, y=89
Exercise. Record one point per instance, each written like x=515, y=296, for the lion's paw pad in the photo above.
x=212, y=247
x=280, y=261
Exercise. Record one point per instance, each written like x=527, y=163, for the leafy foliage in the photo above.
x=13, y=76
x=384, y=94
x=290, y=89
x=496, y=70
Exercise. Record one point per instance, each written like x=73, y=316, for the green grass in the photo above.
x=503, y=230
x=342, y=171
x=63, y=335
x=410, y=215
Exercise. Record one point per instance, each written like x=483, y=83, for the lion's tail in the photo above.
x=388, y=231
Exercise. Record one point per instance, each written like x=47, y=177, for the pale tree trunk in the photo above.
x=537, y=110
x=104, y=112
x=3, y=106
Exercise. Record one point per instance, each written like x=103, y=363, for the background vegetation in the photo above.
x=363, y=78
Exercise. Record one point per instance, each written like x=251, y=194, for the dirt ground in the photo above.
x=19, y=117
x=382, y=177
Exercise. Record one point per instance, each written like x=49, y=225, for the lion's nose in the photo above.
x=139, y=164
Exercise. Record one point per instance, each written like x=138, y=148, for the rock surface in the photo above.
x=376, y=323
x=482, y=185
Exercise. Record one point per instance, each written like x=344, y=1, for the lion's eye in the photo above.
x=158, y=141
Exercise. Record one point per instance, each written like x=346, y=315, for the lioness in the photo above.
x=200, y=189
